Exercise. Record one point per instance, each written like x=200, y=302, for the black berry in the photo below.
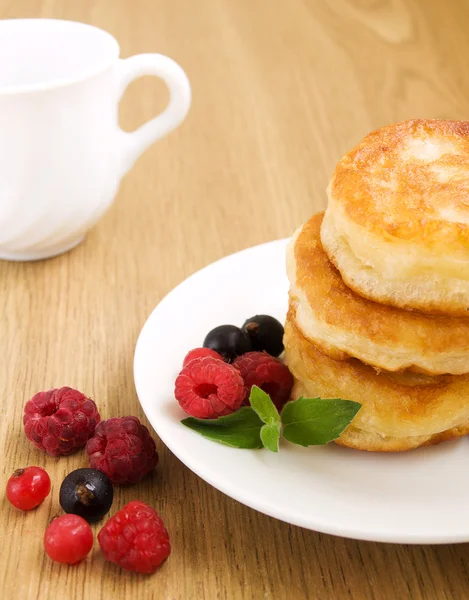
x=266, y=334
x=87, y=493
x=229, y=341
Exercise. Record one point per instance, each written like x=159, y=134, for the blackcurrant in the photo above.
x=266, y=334
x=87, y=493
x=229, y=341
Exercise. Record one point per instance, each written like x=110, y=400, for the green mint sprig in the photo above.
x=306, y=422
x=315, y=421
x=239, y=430
x=268, y=413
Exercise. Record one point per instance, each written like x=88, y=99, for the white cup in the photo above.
x=62, y=153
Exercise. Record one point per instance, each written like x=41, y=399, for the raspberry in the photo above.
x=268, y=373
x=200, y=353
x=60, y=421
x=123, y=449
x=135, y=538
x=208, y=388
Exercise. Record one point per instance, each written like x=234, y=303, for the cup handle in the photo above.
x=128, y=69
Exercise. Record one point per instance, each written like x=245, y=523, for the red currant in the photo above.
x=28, y=488
x=68, y=539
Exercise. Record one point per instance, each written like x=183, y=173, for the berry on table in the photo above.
x=135, y=538
x=60, y=421
x=28, y=488
x=268, y=373
x=123, y=449
x=208, y=388
x=200, y=353
x=87, y=493
x=266, y=334
x=229, y=341
x=68, y=539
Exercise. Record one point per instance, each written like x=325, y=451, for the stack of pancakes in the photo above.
x=379, y=296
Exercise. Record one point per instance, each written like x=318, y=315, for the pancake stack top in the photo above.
x=379, y=297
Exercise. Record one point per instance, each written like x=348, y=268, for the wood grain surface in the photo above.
x=281, y=89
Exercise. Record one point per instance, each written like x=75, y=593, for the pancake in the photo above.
x=397, y=223
x=343, y=324
x=400, y=411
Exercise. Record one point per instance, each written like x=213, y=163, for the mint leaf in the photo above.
x=238, y=430
x=263, y=405
x=270, y=436
x=267, y=411
x=317, y=421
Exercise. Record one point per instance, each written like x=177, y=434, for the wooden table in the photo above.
x=281, y=89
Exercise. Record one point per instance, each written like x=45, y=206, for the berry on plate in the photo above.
x=200, y=353
x=123, y=449
x=28, y=488
x=266, y=334
x=68, y=539
x=87, y=493
x=208, y=388
x=135, y=538
x=229, y=341
x=60, y=421
x=268, y=373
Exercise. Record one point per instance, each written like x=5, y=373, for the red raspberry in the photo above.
x=200, y=353
x=68, y=539
x=208, y=388
x=268, y=373
x=60, y=421
x=123, y=449
x=135, y=538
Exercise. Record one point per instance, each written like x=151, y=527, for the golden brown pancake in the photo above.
x=343, y=324
x=400, y=411
x=397, y=223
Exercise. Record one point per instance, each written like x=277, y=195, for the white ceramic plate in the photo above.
x=420, y=496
